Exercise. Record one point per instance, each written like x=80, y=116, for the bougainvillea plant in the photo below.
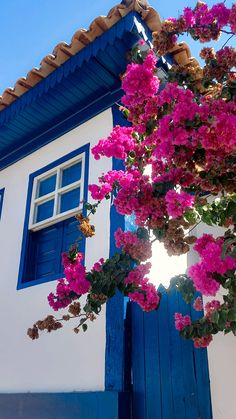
x=185, y=134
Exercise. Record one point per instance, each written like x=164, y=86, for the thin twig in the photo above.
x=72, y=317
x=227, y=41
x=191, y=229
x=227, y=32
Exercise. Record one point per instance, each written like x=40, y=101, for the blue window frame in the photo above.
x=55, y=194
x=1, y=200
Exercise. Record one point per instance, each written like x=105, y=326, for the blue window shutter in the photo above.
x=70, y=233
x=45, y=253
x=48, y=251
x=45, y=248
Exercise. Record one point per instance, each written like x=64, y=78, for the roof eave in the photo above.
x=102, y=60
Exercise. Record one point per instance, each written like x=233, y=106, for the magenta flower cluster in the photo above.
x=177, y=203
x=182, y=321
x=198, y=304
x=212, y=262
x=72, y=286
x=138, y=249
x=118, y=144
x=208, y=21
x=140, y=83
x=146, y=297
x=97, y=267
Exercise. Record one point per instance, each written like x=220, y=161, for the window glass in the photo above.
x=70, y=200
x=71, y=174
x=47, y=185
x=44, y=211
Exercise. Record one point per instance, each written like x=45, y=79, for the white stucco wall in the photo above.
x=62, y=361
x=221, y=356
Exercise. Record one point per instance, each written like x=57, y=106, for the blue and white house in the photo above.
x=128, y=365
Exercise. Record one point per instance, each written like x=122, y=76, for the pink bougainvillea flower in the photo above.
x=202, y=342
x=198, y=304
x=177, y=203
x=182, y=321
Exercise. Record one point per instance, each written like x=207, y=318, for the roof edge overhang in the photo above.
x=107, y=54
x=81, y=38
x=130, y=23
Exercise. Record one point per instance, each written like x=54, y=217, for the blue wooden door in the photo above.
x=170, y=377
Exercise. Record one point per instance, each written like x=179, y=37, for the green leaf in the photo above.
x=232, y=314
x=125, y=113
x=142, y=233
x=226, y=244
x=224, y=315
x=84, y=327
x=190, y=216
x=161, y=188
x=231, y=210
x=159, y=233
x=215, y=317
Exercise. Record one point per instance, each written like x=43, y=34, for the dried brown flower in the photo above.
x=207, y=54
x=33, y=332
x=92, y=317
x=190, y=239
x=66, y=317
x=102, y=298
x=85, y=227
x=75, y=309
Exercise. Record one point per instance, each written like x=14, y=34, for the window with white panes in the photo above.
x=57, y=194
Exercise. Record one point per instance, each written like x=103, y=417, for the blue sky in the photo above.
x=31, y=28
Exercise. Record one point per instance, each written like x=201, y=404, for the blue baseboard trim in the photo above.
x=91, y=405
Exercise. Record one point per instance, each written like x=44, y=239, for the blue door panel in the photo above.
x=170, y=377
